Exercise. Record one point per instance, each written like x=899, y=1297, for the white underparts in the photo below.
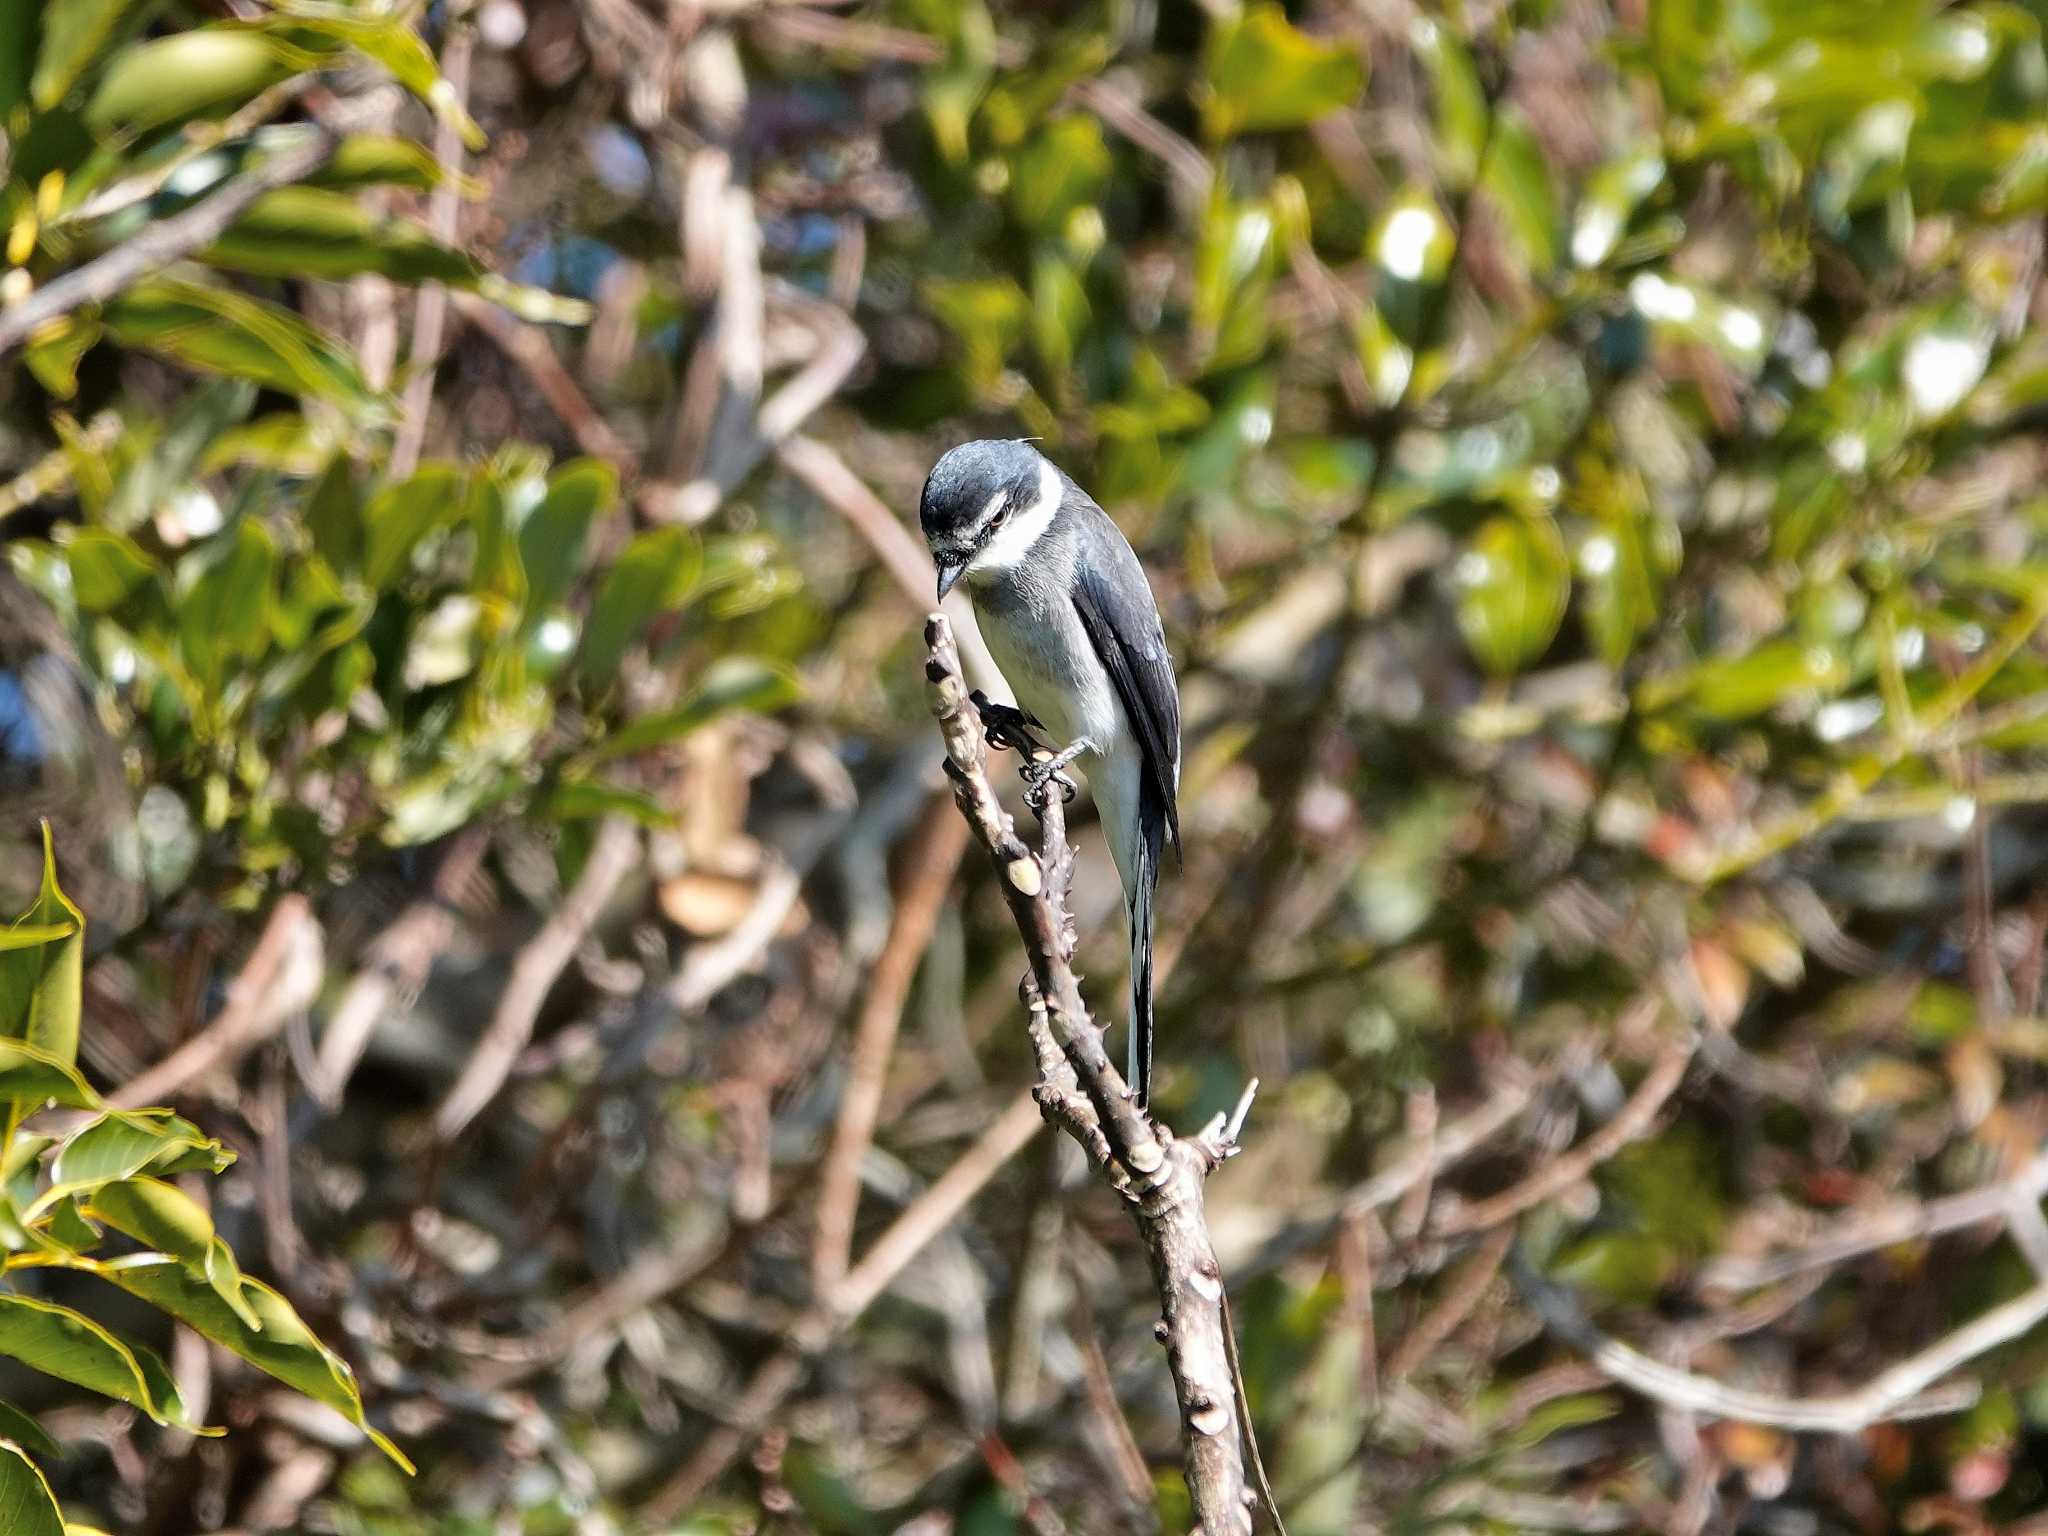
x=1012, y=542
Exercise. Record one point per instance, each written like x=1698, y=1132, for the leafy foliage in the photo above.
x=91, y=1195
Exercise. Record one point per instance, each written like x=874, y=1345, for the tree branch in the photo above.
x=1160, y=1176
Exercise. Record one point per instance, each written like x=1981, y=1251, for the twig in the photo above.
x=841, y=345
x=1160, y=1176
x=613, y=853
x=1900, y=1392
x=1630, y=1121
x=395, y=967
x=921, y=1221
x=934, y=856
x=1123, y=111
x=279, y=976
x=710, y=967
x=52, y=472
x=1515, y=1086
x=901, y=552
x=1463, y=1294
x=1120, y=1446
x=161, y=243
x=528, y=346
x=1865, y=1231
x=430, y=311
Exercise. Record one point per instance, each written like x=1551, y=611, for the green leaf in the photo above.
x=225, y=615
x=378, y=160
x=735, y=682
x=29, y=1076
x=313, y=232
x=1738, y=687
x=33, y=935
x=401, y=515
x=120, y=1144
x=40, y=986
x=552, y=539
x=157, y=1215
x=72, y=1347
x=1064, y=165
x=163, y=1217
x=586, y=799
x=283, y=1346
x=1264, y=74
x=652, y=576
x=72, y=33
x=27, y=1507
x=988, y=315
x=105, y=568
x=25, y=1432
x=391, y=43
x=1517, y=180
x=169, y=79
x=1513, y=582
x=220, y=331
x=1461, y=109
x=334, y=516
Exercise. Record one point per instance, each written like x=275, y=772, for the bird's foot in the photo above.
x=1010, y=729
x=1042, y=772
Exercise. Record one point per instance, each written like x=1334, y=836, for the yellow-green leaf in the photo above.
x=284, y=1346
x=72, y=33
x=1513, y=582
x=27, y=1507
x=72, y=1347
x=1264, y=73
x=40, y=985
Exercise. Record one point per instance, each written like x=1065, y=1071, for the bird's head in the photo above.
x=985, y=504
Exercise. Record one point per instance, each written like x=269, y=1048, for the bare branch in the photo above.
x=612, y=853
x=934, y=856
x=1161, y=1176
x=1868, y=1230
x=279, y=977
x=1898, y=1393
x=1631, y=1121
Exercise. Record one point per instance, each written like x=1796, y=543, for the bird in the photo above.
x=1070, y=619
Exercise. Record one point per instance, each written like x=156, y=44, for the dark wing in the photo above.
x=1115, y=604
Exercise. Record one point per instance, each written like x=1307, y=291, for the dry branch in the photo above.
x=612, y=855
x=1161, y=1176
x=1900, y=1392
x=278, y=978
x=934, y=857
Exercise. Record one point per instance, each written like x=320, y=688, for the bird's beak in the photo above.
x=948, y=574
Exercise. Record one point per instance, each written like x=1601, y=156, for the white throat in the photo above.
x=1012, y=543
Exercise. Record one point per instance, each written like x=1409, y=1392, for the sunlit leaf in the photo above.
x=284, y=1346
x=40, y=985
x=1513, y=582
x=169, y=79
x=27, y=1507
x=1264, y=74
x=652, y=576
x=70, y=1346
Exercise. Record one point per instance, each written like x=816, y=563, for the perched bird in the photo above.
x=1069, y=617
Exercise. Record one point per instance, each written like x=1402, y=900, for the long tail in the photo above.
x=1144, y=879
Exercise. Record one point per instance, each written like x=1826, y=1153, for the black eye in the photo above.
x=997, y=521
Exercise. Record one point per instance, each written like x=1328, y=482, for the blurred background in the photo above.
x=460, y=615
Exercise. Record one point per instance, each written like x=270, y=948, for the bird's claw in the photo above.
x=1051, y=768
x=1009, y=729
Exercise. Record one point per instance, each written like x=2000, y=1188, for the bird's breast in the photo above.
x=1046, y=658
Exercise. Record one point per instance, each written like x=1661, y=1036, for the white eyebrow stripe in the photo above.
x=1012, y=542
